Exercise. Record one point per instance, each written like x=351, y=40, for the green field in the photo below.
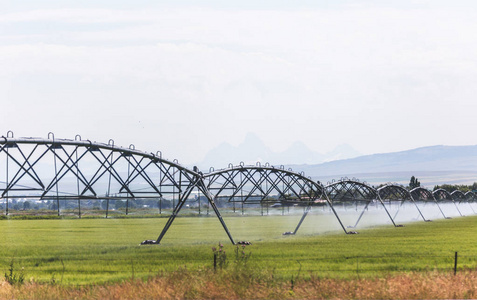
x=87, y=251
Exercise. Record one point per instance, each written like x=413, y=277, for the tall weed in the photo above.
x=14, y=277
x=207, y=284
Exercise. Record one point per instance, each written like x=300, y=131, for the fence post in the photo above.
x=455, y=264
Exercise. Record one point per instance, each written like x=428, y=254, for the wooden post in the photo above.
x=455, y=264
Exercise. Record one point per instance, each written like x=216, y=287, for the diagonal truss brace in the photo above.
x=199, y=183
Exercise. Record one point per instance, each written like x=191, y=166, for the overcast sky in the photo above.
x=183, y=77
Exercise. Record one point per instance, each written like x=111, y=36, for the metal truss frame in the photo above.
x=60, y=169
x=425, y=195
x=199, y=183
x=394, y=192
x=82, y=170
x=470, y=197
x=458, y=196
x=265, y=185
x=442, y=195
x=354, y=191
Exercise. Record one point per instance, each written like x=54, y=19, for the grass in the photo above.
x=79, y=252
x=206, y=284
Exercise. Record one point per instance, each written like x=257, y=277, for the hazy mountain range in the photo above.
x=432, y=165
x=253, y=150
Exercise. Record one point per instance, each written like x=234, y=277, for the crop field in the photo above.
x=95, y=250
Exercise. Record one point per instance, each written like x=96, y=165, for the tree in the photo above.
x=119, y=204
x=414, y=183
x=53, y=206
x=453, y=187
x=26, y=205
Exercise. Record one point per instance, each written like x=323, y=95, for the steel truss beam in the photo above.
x=394, y=192
x=265, y=185
x=59, y=169
x=458, y=196
x=130, y=173
x=442, y=195
x=352, y=191
x=470, y=197
x=425, y=195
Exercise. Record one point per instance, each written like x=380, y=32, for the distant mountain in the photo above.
x=253, y=150
x=296, y=152
x=432, y=165
x=343, y=151
x=448, y=161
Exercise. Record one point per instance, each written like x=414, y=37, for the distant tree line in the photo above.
x=461, y=187
x=23, y=204
x=414, y=182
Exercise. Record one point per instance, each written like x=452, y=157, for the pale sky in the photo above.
x=185, y=76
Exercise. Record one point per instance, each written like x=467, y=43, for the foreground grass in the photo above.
x=74, y=252
x=246, y=284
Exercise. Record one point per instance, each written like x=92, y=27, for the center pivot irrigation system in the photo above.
x=81, y=170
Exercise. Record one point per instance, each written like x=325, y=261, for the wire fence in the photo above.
x=332, y=267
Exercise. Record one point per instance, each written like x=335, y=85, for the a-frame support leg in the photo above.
x=458, y=209
x=438, y=206
x=336, y=215
x=200, y=184
x=420, y=212
x=175, y=212
x=382, y=203
x=399, y=208
x=205, y=191
x=361, y=215
x=307, y=210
